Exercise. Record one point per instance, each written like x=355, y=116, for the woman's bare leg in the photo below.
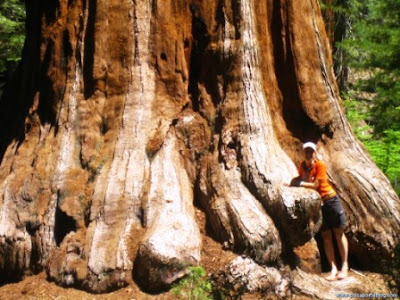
x=330, y=253
x=343, y=250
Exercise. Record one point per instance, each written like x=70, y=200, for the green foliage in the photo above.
x=373, y=35
x=12, y=33
x=387, y=104
x=195, y=286
x=358, y=115
x=384, y=149
x=371, y=45
x=386, y=153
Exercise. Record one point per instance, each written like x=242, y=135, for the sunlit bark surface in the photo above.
x=126, y=114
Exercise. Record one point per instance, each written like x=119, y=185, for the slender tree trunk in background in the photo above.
x=127, y=113
x=338, y=28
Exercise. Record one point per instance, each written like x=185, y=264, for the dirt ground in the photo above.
x=214, y=258
x=38, y=288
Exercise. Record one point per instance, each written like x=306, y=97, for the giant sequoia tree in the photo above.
x=128, y=112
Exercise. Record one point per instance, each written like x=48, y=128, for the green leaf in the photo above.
x=195, y=285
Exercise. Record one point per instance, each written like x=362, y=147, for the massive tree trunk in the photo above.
x=127, y=113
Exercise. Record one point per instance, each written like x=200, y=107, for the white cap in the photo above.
x=310, y=145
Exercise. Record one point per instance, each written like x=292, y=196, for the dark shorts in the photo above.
x=333, y=214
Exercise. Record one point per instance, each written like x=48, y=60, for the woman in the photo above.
x=312, y=174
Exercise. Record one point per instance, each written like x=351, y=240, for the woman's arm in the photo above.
x=312, y=185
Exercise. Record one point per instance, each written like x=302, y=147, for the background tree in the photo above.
x=373, y=49
x=133, y=112
x=12, y=36
x=338, y=22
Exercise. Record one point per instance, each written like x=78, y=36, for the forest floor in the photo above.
x=38, y=288
x=214, y=258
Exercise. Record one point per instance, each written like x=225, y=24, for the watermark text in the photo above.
x=371, y=295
